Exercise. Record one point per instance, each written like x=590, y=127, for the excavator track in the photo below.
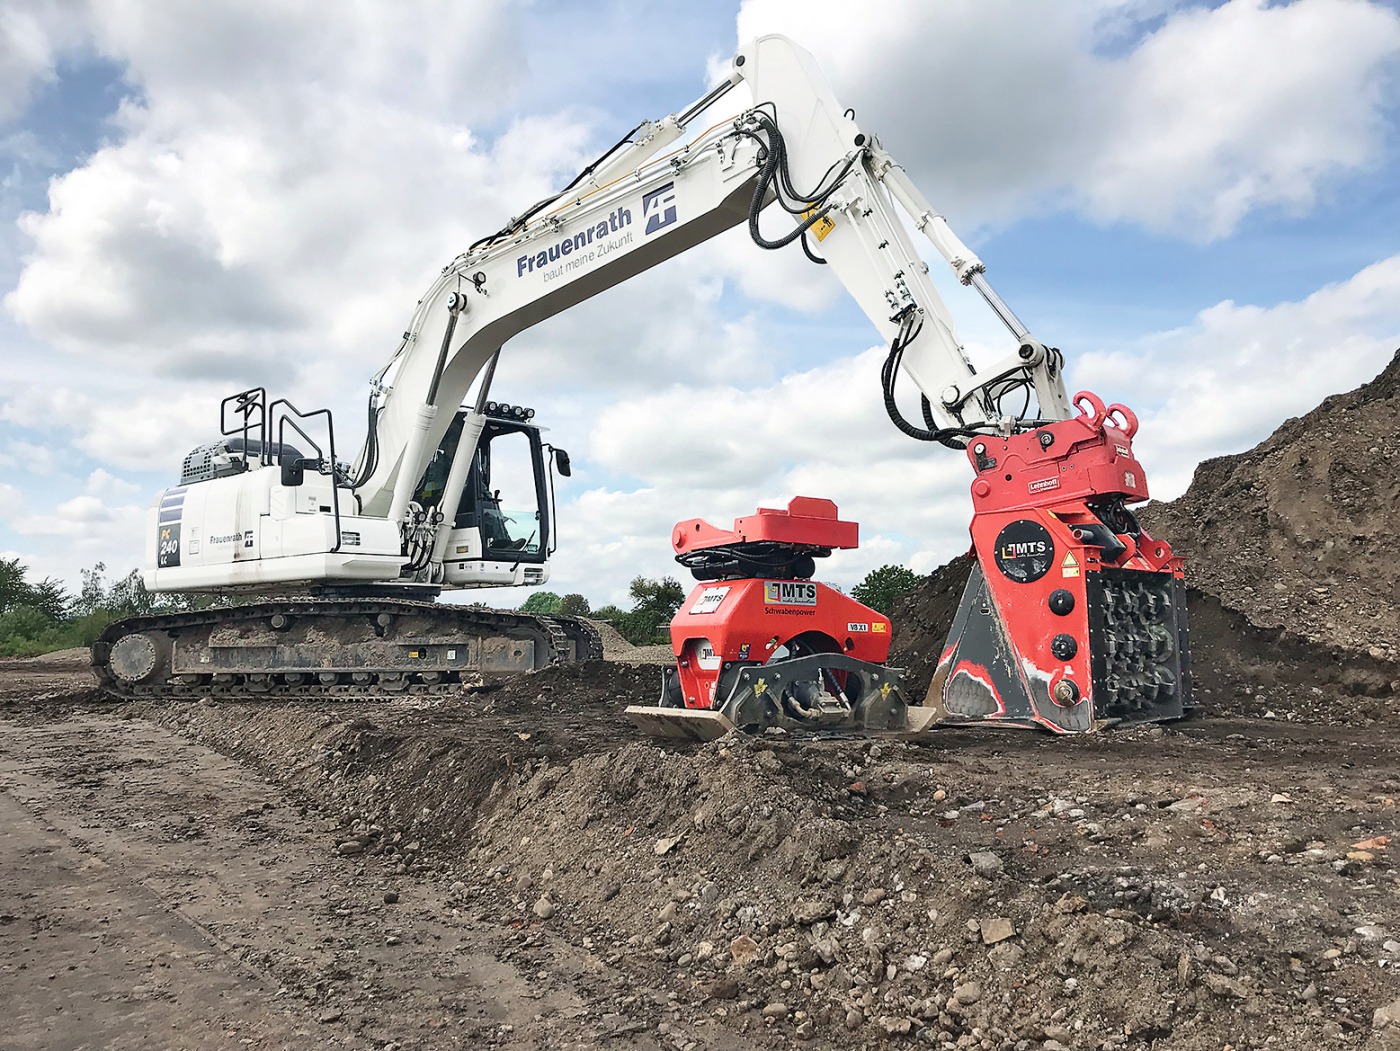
x=329, y=648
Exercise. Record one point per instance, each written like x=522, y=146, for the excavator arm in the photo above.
x=795, y=148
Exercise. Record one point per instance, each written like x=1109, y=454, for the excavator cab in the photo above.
x=503, y=528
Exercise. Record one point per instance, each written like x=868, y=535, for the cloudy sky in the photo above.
x=1199, y=202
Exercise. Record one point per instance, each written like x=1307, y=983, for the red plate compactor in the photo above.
x=1073, y=618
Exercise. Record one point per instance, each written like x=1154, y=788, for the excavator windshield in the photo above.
x=506, y=494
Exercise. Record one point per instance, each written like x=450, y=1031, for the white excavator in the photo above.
x=338, y=565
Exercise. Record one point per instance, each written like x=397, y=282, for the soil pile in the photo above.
x=1228, y=881
x=969, y=890
x=1300, y=532
x=616, y=648
x=921, y=620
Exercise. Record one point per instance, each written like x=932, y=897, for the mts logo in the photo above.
x=659, y=207
x=789, y=593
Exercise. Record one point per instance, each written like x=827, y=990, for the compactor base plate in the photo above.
x=688, y=724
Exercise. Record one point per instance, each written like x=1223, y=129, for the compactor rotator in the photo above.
x=759, y=644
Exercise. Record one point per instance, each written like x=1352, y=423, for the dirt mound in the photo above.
x=967, y=891
x=616, y=648
x=73, y=659
x=1237, y=667
x=921, y=619
x=1300, y=531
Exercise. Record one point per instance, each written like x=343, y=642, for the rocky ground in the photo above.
x=513, y=866
x=516, y=868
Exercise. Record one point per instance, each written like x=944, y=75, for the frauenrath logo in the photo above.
x=659, y=207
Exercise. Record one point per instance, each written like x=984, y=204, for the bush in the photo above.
x=881, y=587
x=573, y=605
x=542, y=602
x=43, y=617
x=654, y=604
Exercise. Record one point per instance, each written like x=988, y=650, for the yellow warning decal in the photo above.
x=1070, y=566
x=878, y=628
x=821, y=227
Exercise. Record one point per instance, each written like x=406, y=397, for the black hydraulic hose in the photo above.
x=536, y=208
x=765, y=178
x=371, y=458
x=951, y=437
x=776, y=142
x=786, y=239
x=442, y=351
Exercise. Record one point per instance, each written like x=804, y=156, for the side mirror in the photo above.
x=292, y=472
x=561, y=463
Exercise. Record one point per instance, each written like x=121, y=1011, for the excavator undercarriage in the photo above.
x=332, y=648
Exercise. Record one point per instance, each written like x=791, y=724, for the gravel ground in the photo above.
x=1225, y=881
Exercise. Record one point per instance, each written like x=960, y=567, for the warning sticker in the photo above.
x=821, y=227
x=709, y=600
x=1069, y=567
x=879, y=629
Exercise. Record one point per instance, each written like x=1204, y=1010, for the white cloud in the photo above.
x=283, y=184
x=999, y=108
x=1223, y=383
x=119, y=422
x=107, y=486
x=42, y=405
x=32, y=32
x=1250, y=105
x=1218, y=385
x=24, y=457
x=11, y=500
x=709, y=452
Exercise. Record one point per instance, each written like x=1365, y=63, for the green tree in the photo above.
x=39, y=618
x=51, y=599
x=14, y=589
x=47, y=596
x=654, y=603
x=609, y=613
x=573, y=605
x=25, y=630
x=881, y=587
x=129, y=597
x=542, y=602
x=93, y=594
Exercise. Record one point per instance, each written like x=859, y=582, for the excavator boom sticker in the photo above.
x=172, y=505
